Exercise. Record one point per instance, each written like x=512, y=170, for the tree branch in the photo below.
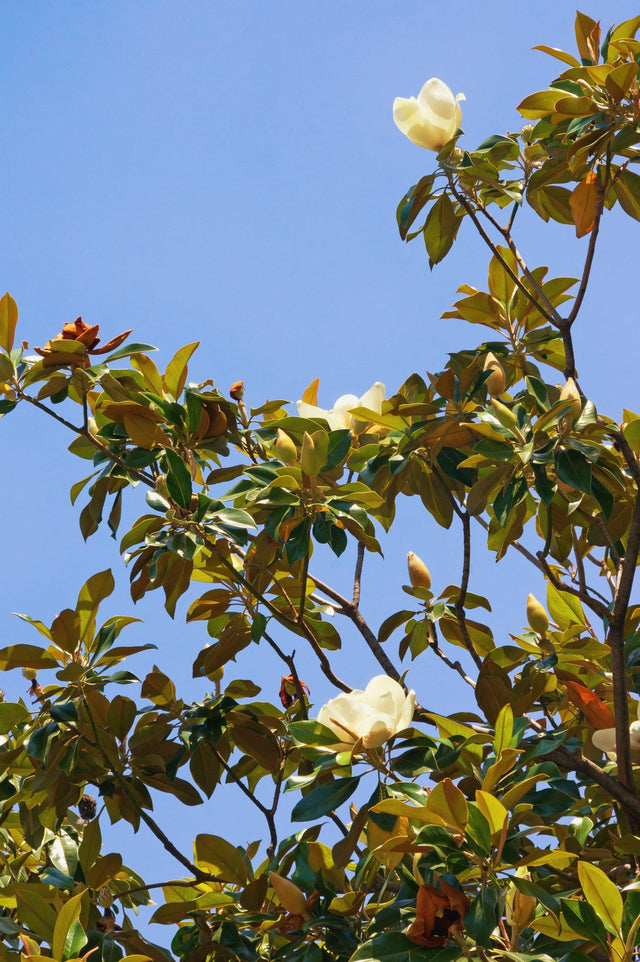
x=616, y=642
x=350, y=610
x=357, y=578
x=553, y=317
x=582, y=290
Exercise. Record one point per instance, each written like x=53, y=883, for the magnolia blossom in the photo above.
x=605, y=739
x=432, y=118
x=373, y=715
x=338, y=416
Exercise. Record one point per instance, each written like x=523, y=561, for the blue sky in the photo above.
x=229, y=173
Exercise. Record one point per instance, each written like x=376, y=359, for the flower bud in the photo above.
x=496, y=382
x=520, y=908
x=311, y=460
x=419, y=575
x=571, y=395
x=237, y=390
x=537, y=616
x=290, y=896
x=285, y=448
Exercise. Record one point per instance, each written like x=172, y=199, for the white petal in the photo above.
x=605, y=739
x=406, y=113
x=311, y=411
x=436, y=98
x=341, y=410
x=379, y=733
x=406, y=716
x=373, y=398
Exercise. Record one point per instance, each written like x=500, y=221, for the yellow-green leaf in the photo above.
x=493, y=810
x=63, y=932
x=448, y=802
x=8, y=321
x=176, y=374
x=602, y=895
x=216, y=855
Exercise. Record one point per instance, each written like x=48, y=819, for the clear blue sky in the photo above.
x=229, y=172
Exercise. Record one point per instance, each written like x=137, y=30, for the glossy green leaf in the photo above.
x=324, y=799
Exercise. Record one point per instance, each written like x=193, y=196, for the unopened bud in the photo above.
x=237, y=390
x=419, y=574
x=570, y=395
x=285, y=448
x=310, y=459
x=496, y=382
x=520, y=908
x=536, y=616
x=290, y=896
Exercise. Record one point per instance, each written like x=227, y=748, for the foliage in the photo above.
x=503, y=834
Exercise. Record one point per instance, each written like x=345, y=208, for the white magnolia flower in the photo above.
x=338, y=416
x=373, y=715
x=605, y=738
x=432, y=118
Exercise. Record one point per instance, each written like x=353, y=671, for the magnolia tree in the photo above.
x=510, y=832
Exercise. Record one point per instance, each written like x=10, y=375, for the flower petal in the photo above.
x=373, y=398
x=311, y=411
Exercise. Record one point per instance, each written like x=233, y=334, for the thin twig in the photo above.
x=85, y=433
x=171, y=848
x=553, y=317
x=455, y=665
x=290, y=663
x=357, y=578
x=348, y=609
x=582, y=290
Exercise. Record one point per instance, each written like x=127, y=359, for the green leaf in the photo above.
x=574, y=469
x=216, y=855
x=63, y=852
x=179, y=483
x=26, y=656
x=440, y=229
x=324, y=799
x=92, y=593
x=626, y=186
x=396, y=947
x=65, y=933
x=602, y=895
x=128, y=349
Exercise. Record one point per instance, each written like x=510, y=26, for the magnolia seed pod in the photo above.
x=87, y=807
x=527, y=133
x=291, y=897
x=571, y=395
x=536, y=616
x=496, y=382
x=285, y=448
x=419, y=575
